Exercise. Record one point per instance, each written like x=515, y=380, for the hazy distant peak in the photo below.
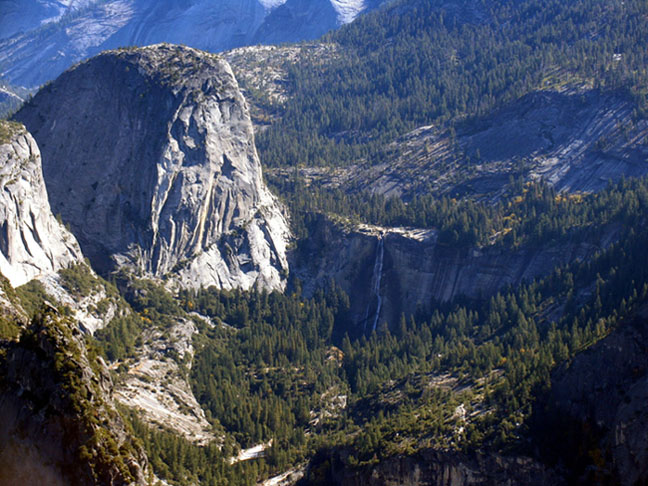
x=40, y=39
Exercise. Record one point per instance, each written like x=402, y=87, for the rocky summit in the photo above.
x=32, y=242
x=149, y=156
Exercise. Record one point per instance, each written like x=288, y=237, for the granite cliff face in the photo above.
x=149, y=156
x=597, y=405
x=388, y=271
x=32, y=242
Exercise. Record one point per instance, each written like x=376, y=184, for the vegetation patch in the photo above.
x=79, y=280
x=55, y=363
x=9, y=129
x=419, y=62
x=32, y=295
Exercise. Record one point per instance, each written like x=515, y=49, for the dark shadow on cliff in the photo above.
x=593, y=421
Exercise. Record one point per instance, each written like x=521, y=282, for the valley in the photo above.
x=407, y=247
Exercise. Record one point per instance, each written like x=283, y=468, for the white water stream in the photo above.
x=251, y=453
x=376, y=280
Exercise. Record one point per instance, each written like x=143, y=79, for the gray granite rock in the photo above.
x=32, y=242
x=149, y=156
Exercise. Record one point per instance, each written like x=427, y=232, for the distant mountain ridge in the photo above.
x=22, y=16
x=39, y=40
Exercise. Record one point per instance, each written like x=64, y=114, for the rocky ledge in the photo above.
x=389, y=271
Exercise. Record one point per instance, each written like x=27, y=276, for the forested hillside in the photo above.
x=431, y=62
x=283, y=368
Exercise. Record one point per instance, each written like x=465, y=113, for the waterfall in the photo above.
x=376, y=279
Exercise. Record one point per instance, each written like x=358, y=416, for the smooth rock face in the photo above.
x=149, y=156
x=157, y=388
x=32, y=242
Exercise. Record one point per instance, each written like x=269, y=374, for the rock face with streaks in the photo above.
x=388, y=271
x=149, y=156
x=32, y=242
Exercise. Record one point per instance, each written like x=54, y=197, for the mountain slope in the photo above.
x=158, y=170
x=23, y=15
x=53, y=36
x=418, y=63
x=577, y=141
x=59, y=424
x=426, y=337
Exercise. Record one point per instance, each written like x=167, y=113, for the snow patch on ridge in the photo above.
x=348, y=10
x=271, y=4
